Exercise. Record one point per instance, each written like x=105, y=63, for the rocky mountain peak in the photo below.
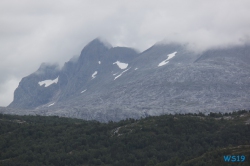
x=47, y=68
x=94, y=51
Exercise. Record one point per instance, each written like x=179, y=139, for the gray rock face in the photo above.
x=107, y=83
x=30, y=94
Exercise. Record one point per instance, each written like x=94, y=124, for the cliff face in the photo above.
x=107, y=83
x=30, y=94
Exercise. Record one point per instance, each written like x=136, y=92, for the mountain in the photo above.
x=113, y=83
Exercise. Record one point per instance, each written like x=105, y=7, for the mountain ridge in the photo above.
x=113, y=83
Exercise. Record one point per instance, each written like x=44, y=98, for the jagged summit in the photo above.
x=97, y=43
x=47, y=67
x=94, y=50
x=30, y=94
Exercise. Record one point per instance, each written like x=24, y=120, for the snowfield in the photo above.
x=48, y=82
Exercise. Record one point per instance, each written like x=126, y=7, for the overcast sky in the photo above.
x=32, y=32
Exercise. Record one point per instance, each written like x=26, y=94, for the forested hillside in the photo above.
x=192, y=139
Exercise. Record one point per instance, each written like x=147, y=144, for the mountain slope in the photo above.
x=31, y=94
x=113, y=83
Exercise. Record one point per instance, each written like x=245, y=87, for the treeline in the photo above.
x=160, y=140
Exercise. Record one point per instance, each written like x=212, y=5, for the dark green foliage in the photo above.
x=193, y=139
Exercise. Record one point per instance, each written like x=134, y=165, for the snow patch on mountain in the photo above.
x=121, y=74
x=163, y=63
x=136, y=68
x=83, y=91
x=121, y=65
x=170, y=56
x=99, y=62
x=48, y=82
x=94, y=74
x=51, y=104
